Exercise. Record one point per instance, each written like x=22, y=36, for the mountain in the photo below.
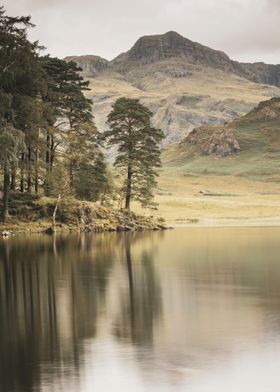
x=184, y=83
x=91, y=65
x=151, y=49
x=247, y=147
x=225, y=174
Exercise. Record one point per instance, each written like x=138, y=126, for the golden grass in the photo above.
x=210, y=200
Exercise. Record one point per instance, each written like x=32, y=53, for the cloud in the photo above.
x=273, y=5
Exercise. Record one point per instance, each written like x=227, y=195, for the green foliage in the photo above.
x=138, y=148
x=70, y=125
x=48, y=139
x=11, y=142
x=57, y=180
x=91, y=179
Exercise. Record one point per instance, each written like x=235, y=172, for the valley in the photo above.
x=188, y=85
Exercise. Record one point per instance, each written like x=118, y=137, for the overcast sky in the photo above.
x=247, y=30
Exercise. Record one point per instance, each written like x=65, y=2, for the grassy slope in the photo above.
x=244, y=187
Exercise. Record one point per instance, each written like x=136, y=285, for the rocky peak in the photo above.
x=153, y=48
x=90, y=64
x=156, y=47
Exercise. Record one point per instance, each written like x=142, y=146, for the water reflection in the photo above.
x=142, y=298
x=53, y=290
x=153, y=309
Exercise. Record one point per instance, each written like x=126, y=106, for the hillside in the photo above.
x=243, y=185
x=185, y=83
x=257, y=141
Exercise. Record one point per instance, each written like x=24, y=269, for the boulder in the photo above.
x=218, y=141
x=222, y=142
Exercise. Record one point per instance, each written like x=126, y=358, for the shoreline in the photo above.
x=35, y=215
x=43, y=228
x=228, y=222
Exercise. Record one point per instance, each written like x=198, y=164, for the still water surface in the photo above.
x=194, y=310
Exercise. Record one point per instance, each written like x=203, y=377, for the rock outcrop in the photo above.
x=154, y=48
x=264, y=112
x=91, y=65
x=218, y=141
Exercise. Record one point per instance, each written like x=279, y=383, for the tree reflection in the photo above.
x=48, y=303
x=141, y=303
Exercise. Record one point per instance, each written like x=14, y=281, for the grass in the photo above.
x=244, y=200
x=243, y=187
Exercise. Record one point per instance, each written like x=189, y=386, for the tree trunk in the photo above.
x=36, y=182
x=13, y=178
x=48, y=150
x=55, y=212
x=52, y=153
x=128, y=188
x=22, y=173
x=46, y=182
x=71, y=175
x=6, y=193
x=29, y=179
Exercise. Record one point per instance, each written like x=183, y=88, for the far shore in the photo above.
x=217, y=201
x=224, y=222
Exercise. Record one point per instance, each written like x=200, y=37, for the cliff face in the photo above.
x=91, y=65
x=154, y=48
x=260, y=73
x=184, y=83
x=150, y=49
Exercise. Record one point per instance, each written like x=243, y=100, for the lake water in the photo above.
x=193, y=309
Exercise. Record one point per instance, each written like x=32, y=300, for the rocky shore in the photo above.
x=31, y=214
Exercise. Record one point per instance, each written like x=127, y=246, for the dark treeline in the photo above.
x=49, y=144
x=47, y=130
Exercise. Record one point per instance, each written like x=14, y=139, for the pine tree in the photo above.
x=138, y=149
x=21, y=77
x=11, y=142
x=46, y=123
x=69, y=116
x=91, y=179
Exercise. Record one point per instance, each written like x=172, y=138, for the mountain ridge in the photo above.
x=185, y=84
x=150, y=49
